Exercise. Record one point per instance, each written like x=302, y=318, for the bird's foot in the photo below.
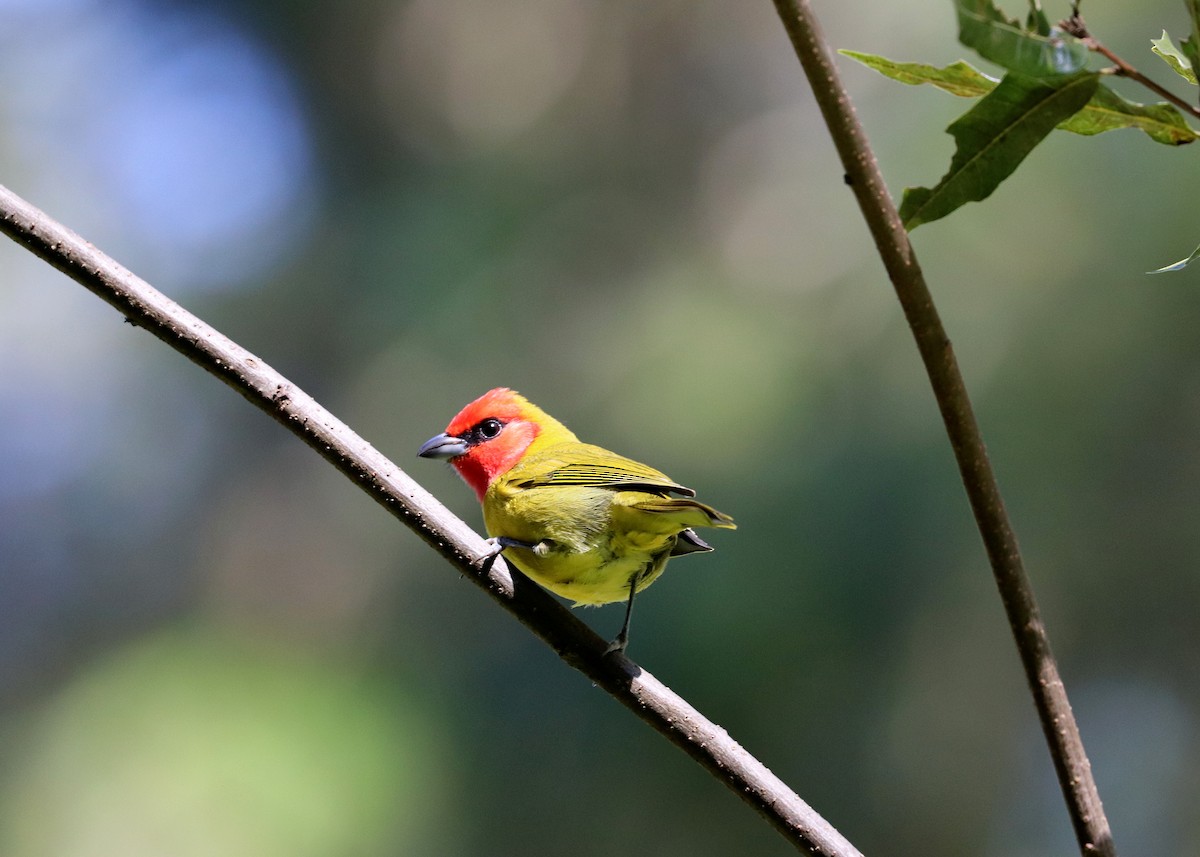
x=497, y=544
x=487, y=559
x=617, y=646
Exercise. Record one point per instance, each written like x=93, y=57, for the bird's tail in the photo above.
x=686, y=511
x=688, y=542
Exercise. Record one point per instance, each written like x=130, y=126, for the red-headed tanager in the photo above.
x=585, y=523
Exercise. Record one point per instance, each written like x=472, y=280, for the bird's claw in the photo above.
x=487, y=559
x=496, y=544
x=617, y=646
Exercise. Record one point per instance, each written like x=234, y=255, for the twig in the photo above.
x=574, y=641
x=1077, y=28
x=1126, y=70
x=1016, y=592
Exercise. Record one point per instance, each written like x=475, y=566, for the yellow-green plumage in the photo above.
x=584, y=522
x=603, y=519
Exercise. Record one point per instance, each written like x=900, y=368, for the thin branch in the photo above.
x=1077, y=28
x=574, y=641
x=1016, y=592
x=1124, y=69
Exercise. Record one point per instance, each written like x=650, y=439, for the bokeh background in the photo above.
x=211, y=644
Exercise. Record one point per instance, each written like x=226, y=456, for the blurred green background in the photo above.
x=212, y=644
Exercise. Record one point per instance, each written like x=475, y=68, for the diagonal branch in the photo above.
x=1076, y=27
x=574, y=641
x=1041, y=670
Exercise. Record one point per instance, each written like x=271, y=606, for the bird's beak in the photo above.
x=443, y=446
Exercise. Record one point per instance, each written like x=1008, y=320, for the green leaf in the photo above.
x=959, y=78
x=993, y=137
x=1173, y=57
x=1188, y=46
x=1180, y=265
x=1036, y=21
x=1192, y=52
x=1107, y=111
x=1004, y=41
x=1192, y=46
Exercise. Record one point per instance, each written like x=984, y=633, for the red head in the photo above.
x=492, y=434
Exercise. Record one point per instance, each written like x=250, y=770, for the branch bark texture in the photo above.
x=636, y=689
x=862, y=174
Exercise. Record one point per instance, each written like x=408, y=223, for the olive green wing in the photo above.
x=640, y=489
x=590, y=466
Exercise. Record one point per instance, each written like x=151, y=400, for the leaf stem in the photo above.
x=1016, y=591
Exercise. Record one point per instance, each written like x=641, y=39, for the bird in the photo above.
x=583, y=522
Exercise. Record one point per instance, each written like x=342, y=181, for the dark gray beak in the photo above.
x=443, y=446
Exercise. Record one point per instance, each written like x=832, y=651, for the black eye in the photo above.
x=488, y=429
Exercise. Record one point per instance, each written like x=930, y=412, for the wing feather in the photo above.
x=595, y=467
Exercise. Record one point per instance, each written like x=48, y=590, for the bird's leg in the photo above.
x=622, y=639
x=499, y=543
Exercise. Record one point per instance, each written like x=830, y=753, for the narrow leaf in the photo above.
x=994, y=36
x=1180, y=265
x=1190, y=47
x=993, y=137
x=958, y=78
x=1107, y=111
x=1036, y=21
x=1173, y=57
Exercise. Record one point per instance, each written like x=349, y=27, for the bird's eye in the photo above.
x=488, y=429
